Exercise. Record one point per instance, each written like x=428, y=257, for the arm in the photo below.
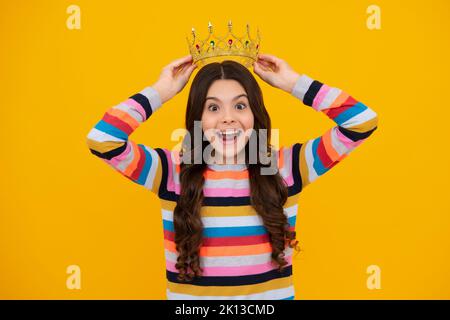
x=355, y=122
x=109, y=139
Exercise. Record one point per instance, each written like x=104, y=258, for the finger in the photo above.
x=266, y=66
x=258, y=70
x=270, y=58
x=189, y=65
x=265, y=63
x=187, y=69
x=181, y=67
x=191, y=68
x=267, y=56
x=181, y=61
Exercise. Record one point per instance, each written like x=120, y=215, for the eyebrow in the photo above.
x=237, y=97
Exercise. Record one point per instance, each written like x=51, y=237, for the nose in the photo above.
x=228, y=121
x=228, y=118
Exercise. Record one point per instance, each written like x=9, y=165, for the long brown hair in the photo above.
x=268, y=192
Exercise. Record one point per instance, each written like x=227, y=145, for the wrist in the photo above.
x=164, y=97
x=153, y=97
x=291, y=83
x=301, y=86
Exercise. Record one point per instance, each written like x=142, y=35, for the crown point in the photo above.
x=212, y=49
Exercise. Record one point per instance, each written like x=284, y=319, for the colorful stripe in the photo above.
x=109, y=139
x=236, y=253
x=355, y=122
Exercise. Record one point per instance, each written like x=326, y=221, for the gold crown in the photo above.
x=230, y=47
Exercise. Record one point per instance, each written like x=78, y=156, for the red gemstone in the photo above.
x=230, y=41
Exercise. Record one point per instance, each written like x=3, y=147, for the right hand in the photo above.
x=174, y=77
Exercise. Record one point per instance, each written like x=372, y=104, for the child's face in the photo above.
x=227, y=113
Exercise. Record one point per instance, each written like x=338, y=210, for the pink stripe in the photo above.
x=132, y=103
x=226, y=192
x=290, y=178
x=233, y=271
x=320, y=96
x=221, y=192
x=171, y=186
x=116, y=160
x=217, y=192
x=349, y=144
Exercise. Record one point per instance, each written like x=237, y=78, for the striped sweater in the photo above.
x=236, y=252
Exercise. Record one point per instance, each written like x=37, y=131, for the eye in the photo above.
x=211, y=105
x=242, y=104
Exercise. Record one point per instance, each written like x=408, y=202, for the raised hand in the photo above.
x=275, y=71
x=174, y=77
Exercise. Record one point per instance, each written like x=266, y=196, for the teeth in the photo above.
x=229, y=133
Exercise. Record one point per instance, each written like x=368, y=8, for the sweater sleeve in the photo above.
x=355, y=122
x=109, y=140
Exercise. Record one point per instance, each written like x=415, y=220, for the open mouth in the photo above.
x=229, y=136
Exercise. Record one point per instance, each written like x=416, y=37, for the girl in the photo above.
x=229, y=231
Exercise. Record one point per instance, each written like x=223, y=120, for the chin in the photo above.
x=229, y=151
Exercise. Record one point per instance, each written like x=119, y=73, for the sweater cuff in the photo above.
x=153, y=97
x=301, y=86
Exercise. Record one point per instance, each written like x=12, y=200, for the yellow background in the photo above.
x=386, y=204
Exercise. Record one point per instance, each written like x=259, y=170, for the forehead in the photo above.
x=225, y=89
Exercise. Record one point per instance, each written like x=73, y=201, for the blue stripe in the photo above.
x=291, y=221
x=350, y=113
x=234, y=231
x=109, y=129
x=224, y=231
x=288, y=298
x=168, y=225
x=317, y=163
x=147, y=164
x=229, y=231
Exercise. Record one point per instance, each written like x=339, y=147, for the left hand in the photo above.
x=275, y=71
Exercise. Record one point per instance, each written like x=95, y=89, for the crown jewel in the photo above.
x=229, y=47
